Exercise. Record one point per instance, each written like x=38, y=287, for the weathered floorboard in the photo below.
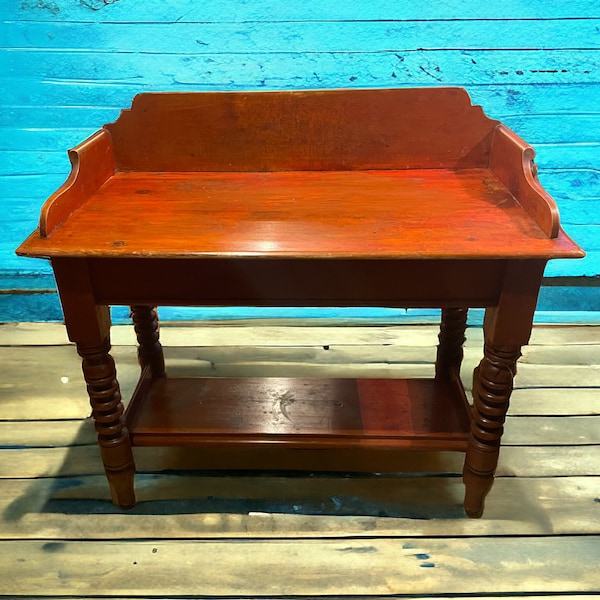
x=285, y=567
x=527, y=461
x=555, y=365
x=300, y=534
x=259, y=506
x=264, y=333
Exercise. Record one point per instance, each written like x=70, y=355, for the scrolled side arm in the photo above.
x=512, y=160
x=92, y=163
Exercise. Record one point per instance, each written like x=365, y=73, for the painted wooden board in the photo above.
x=331, y=10
x=74, y=67
x=317, y=69
x=582, y=211
x=573, y=155
x=543, y=129
x=500, y=100
x=304, y=36
x=174, y=506
x=315, y=567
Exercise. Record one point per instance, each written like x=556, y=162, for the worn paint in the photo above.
x=69, y=67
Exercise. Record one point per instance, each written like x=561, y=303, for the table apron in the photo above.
x=297, y=282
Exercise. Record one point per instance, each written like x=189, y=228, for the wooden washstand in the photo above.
x=387, y=197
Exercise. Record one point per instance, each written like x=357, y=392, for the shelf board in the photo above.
x=309, y=414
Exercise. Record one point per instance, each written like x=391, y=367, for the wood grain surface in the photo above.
x=340, y=214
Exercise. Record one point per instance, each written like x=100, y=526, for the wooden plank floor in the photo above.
x=253, y=535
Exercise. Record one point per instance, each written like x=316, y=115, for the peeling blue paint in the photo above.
x=69, y=67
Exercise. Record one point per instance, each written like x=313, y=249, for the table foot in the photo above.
x=107, y=409
x=150, y=352
x=476, y=490
x=492, y=387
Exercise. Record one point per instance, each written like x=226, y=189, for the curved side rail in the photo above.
x=92, y=163
x=512, y=160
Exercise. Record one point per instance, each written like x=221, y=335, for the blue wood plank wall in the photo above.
x=68, y=66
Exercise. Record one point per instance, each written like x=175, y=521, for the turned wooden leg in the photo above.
x=107, y=409
x=492, y=387
x=506, y=329
x=451, y=338
x=150, y=352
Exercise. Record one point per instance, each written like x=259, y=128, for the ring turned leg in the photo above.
x=492, y=387
x=451, y=338
x=150, y=352
x=107, y=409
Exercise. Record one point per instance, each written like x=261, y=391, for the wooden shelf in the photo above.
x=342, y=415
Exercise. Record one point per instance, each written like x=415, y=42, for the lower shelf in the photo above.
x=304, y=418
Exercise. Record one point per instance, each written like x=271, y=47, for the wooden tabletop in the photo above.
x=390, y=174
x=405, y=214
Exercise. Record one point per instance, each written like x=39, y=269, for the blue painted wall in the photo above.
x=68, y=66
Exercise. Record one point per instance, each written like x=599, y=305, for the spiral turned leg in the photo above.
x=107, y=409
x=452, y=338
x=492, y=387
x=150, y=352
